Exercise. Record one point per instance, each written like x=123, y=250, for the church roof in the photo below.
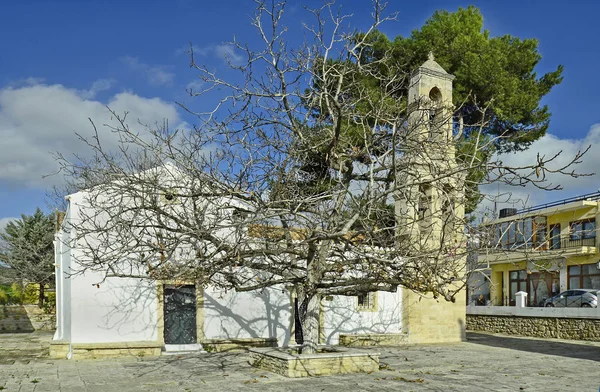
x=431, y=64
x=431, y=67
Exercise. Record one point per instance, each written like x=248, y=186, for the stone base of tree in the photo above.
x=60, y=349
x=373, y=339
x=288, y=363
x=241, y=344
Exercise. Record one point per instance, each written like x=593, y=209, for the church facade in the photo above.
x=99, y=316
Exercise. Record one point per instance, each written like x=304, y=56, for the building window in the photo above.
x=424, y=201
x=367, y=302
x=238, y=216
x=539, y=232
x=526, y=233
x=169, y=196
x=518, y=282
x=585, y=276
x=583, y=229
x=555, y=236
x=435, y=94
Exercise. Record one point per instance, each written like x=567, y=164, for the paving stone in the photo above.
x=484, y=362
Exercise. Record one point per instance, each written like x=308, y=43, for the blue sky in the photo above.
x=62, y=61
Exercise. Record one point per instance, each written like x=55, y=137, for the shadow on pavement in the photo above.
x=540, y=346
x=23, y=347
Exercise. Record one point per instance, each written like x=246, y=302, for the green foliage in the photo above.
x=496, y=84
x=11, y=294
x=49, y=305
x=29, y=249
x=31, y=294
x=209, y=348
x=3, y=296
x=466, y=151
x=496, y=90
x=16, y=293
x=493, y=74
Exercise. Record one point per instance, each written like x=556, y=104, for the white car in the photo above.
x=576, y=298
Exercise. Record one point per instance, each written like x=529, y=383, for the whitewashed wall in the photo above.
x=106, y=310
x=125, y=309
x=121, y=309
x=342, y=316
x=264, y=314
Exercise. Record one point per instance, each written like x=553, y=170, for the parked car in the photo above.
x=577, y=298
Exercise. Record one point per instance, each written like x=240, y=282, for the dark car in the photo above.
x=576, y=298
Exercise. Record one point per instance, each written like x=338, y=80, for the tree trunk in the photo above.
x=41, y=297
x=310, y=312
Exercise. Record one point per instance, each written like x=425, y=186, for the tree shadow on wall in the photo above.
x=129, y=306
x=271, y=316
x=343, y=317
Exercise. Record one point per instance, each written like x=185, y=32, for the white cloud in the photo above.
x=228, y=53
x=38, y=120
x=5, y=221
x=548, y=146
x=224, y=52
x=195, y=85
x=98, y=86
x=156, y=75
x=31, y=81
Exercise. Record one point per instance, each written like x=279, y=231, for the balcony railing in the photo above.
x=589, y=196
x=565, y=242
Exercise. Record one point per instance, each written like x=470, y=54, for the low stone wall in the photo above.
x=342, y=361
x=240, y=344
x=60, y=349
x=375, y=339
x=576, y=324
x=25, y=318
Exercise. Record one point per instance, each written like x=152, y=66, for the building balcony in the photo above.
x=563, y=247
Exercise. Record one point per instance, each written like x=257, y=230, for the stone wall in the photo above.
x=536, y=322
x=25, y=318
x=341, y=361
x=222, y=345
x=369, y=340
x=60, y=349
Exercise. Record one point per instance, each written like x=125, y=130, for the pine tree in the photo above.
x=27, y=248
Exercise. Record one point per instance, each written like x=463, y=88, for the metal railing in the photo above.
x=565, y=242
x=589, y=196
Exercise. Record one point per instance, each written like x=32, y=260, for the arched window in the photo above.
x=435, y=94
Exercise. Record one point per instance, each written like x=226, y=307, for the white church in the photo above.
x=99, y=316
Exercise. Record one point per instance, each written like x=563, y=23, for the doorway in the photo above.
x=180, y=315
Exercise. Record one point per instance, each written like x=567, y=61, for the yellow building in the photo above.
x=542, y=250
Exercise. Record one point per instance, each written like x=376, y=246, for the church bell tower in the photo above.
x=429, y=204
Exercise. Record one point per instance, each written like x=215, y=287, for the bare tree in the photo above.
x=303, y=175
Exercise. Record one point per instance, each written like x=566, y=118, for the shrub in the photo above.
x=31, y=293
x=16, y=294
x=3, y=296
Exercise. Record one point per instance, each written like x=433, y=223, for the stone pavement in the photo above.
x=485, y=362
